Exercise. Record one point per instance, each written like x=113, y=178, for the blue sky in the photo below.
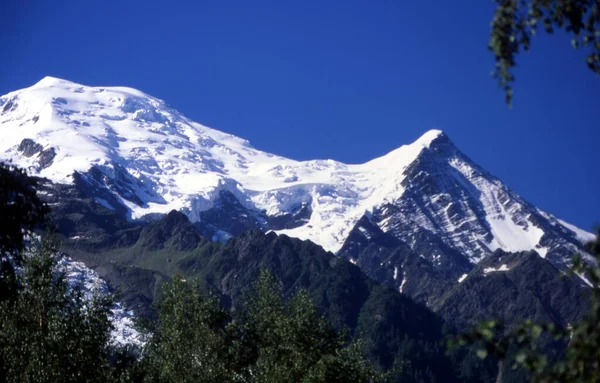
x=347, y=80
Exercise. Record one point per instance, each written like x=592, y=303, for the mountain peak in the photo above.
x=430, y=136
x=50, y=81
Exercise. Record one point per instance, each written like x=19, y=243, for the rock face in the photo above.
x=455, y=218
x=451, y=200
x=174, y=231
x=504, y=286
x=30, y=148
x=512, y=286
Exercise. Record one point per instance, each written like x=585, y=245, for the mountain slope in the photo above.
x=394, y=327
x=513, y=286
x=135, y=155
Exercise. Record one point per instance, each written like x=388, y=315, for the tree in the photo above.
x=190, y=341
x=20, y=208
x=581, y=359
x=21, y=212
x=52, y=332
x=195, y=340
x=297, y=344
x=515, y=23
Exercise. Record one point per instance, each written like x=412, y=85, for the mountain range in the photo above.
x=145, y=158
x=139, y=192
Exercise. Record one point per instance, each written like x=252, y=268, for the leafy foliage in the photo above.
x=297, y=344
x=515, y=22
x=20, y=208
x=394, y=329
x=195, y=340
x=189, y=343
x=524, y=343
x=21, y=212
x=51, y=332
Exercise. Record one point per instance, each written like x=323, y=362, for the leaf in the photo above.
x=481, y=353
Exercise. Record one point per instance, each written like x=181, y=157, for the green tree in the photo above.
x=297, y=344
x=524, y=344
x=190, y=341
x=20, y=208
x=515, y=23
x=273, y=340
x=22, y=212
x=52, y=332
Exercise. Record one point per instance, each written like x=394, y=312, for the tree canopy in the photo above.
x=50, y=331
x=515, y=23
x=273, y=340
x=20, y=208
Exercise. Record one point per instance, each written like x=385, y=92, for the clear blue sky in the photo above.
x=348, y=80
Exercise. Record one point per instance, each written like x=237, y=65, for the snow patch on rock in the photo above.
x=488, y=270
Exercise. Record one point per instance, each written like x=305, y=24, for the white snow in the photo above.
x=542, y=251
x=401, y=288
x=511, y=237
x=582, y=235
x=583, y=278
x=488, y=270
x=506, y=233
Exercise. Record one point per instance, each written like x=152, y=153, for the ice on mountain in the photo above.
x=582, y=235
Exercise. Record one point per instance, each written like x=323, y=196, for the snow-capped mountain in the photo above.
x=136, y=155
x=450, y=200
